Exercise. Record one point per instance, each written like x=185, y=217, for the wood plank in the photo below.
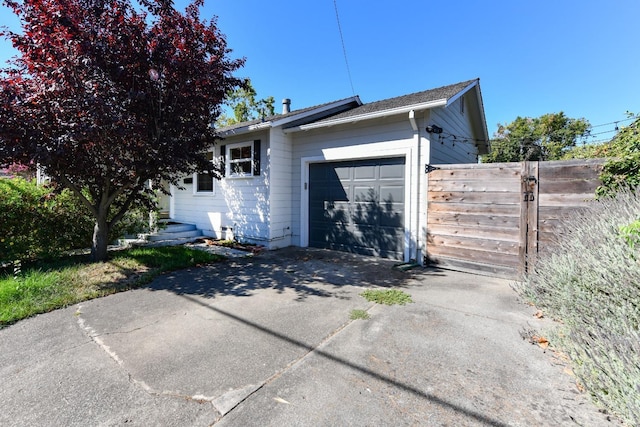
x=491, y=185
x=464, y=266
x=502, y=174
x=475, y=208
x=467, y=220
x=486, y=232
x=471, y=255
x=562, y=170
x=479, y=197
x=563, y=186
x=561, y=212
x=576, y=200
x=485, y=245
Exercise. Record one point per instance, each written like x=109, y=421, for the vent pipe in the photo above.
x=286, y=106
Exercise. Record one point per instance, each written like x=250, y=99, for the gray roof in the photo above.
x=278, y=116
x=441, y=93
x=444, y=92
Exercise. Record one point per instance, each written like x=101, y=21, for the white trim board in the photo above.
x=363, y=154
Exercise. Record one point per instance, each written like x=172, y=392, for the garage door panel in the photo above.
x=365, y=194
x=392, y=171
x=395, y=220
x=392, y=194
x=364, y=172
x=358, y=207
x=339, y=194
x=317, y=175
x=340, y=172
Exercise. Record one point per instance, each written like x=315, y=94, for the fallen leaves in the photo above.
x=541, y=341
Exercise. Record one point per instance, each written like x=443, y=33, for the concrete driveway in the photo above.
x=267, y=341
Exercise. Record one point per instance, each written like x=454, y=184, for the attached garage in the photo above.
x=344, y=175
x=358, y=206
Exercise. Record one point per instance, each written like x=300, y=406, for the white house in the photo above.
x=342, y=175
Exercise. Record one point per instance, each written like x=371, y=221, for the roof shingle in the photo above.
x=444, y=92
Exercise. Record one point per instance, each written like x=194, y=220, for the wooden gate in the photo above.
x=494, y=218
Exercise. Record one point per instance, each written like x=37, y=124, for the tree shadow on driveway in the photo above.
x=306, y=271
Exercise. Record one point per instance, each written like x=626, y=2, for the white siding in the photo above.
x=392, y=137
x=444, y=148
x=281, y=187
x=241, y=203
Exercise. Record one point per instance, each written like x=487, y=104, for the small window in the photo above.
x=462, y=105
x=204, y=181
x=242, y=160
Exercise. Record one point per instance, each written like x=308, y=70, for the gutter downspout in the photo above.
x=415, y=233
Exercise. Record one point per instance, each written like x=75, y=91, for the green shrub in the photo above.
x=631, y=234
x=622, y=169
x=36, y=222
x=590, y=281
x=33, y=221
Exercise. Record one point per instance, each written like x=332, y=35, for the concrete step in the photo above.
x=175, y=232
x=177, y=228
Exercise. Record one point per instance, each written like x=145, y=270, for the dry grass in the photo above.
x=48, y=286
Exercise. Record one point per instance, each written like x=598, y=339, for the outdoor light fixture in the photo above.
x=434, y=129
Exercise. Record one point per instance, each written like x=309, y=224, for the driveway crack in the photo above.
x=96, y=339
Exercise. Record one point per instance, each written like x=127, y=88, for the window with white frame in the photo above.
x=203, y=182
x=242, y=159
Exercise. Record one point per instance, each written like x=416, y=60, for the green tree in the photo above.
x=623, y=168
x=242, y=101
x=546, y=137
x=108, y=95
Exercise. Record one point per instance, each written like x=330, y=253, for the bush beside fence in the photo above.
x=590, y=281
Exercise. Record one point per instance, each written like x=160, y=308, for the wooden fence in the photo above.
x=494, y=218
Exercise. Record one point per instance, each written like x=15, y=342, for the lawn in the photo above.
x=47, y=286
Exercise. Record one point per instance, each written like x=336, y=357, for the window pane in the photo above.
x=240, y=153
x=241, y=168
x=205, y=182
x=246, y=152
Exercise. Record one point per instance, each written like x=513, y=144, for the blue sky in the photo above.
x=532, y=58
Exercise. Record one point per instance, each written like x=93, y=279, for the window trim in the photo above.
x=196, y=190
x=255, y=159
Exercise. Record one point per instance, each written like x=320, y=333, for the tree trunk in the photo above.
x=100, y=238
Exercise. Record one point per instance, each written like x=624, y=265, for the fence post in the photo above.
x=532, y=214
x=524, y=218
x=528, y=246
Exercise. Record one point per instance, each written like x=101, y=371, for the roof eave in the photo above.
x=368, y=116
x=289, y=119
x=326, y=107
x=244, y=129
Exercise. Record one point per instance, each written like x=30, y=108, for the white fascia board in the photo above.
x=369, y=116
x=485, y=131
x=289, y=119
x=458, y=95
x=244, y=129
x=318, y=110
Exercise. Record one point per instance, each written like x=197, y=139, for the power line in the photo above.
x=616, y=122
x=344, y=50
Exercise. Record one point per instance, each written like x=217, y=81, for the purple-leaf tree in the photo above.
x=108, y=97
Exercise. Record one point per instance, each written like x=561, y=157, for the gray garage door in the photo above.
x=358, y=206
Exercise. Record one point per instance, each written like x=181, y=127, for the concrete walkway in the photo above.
x=267, y=341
